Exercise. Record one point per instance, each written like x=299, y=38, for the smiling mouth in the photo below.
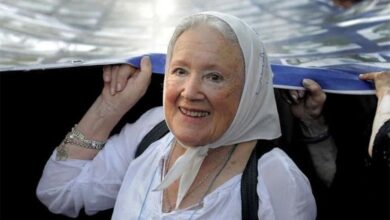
x=194, y=113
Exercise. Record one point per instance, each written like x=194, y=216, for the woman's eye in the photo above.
x=179, y=71
x=215, y=77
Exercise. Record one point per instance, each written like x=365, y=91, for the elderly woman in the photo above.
x=218, y=102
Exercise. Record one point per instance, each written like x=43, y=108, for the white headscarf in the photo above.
x=256, y=117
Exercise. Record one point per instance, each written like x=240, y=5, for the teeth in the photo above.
x=194, y=113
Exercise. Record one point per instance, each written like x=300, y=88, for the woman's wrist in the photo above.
x=78, y=139
x=314, y=130
x=99, y=120
x=382, y=115
x=316, y=139
x=313, y=127
x=384, y=104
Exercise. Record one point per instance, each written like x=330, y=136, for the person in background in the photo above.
x=379, y=145
x=349, y=164
x=346, y=4
x=218, y=103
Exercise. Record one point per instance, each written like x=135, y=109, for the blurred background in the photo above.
x=43, y=34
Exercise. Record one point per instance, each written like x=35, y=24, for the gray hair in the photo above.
x=196, y=20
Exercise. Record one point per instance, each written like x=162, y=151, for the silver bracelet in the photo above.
x=77, y=138
x=62, y=153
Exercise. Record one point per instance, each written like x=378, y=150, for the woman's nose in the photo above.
x=192, y=88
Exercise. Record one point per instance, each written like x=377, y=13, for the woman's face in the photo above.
x=203, y=86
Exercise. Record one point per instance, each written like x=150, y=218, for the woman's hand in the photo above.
x=124, y=85
x=381, y=80
x=307, y=106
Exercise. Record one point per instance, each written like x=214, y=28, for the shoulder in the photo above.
x=276, y=165
x=152, y=116
x=284, y=185
x=276, y=157
x=131, y=134
x=146, y=121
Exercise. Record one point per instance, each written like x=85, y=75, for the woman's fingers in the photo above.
x=114, y=77
x=383, y=75
x=107, y=74
x=140, y=79
x=294, y=95
x=290, y=96
x=316, y=95
x=124, y=73
x=313, y=87
x=368, y=76
x=119, y=77
x=107, y=79
x=381, y=80
x=146, y=70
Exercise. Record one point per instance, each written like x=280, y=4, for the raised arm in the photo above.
x=307, y=106
x=124, y=85
x=382, y=85
x=72, y=180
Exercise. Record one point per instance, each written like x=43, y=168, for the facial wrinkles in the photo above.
x=199, y=56
x=214, y=44
x=232, y=82
x=208, y=57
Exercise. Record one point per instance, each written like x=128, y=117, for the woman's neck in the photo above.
x=204, y=182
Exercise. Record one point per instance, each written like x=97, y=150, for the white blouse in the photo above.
x=114, y=177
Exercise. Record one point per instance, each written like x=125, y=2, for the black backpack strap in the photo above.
x=249, y=198
x=156, y=133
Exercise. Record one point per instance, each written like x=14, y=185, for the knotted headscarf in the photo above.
x=256, y=117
